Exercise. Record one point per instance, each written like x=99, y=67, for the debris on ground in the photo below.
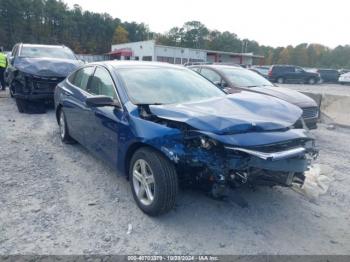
x=317, y=181
x=129, y=229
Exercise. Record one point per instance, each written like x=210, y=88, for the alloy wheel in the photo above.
x=62, y=125
x=143, y=181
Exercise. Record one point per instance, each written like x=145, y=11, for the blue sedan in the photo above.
x=161, y=125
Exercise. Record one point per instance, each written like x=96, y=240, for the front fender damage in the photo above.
x=277, y=158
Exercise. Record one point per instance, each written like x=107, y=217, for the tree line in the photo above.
x=53, y=22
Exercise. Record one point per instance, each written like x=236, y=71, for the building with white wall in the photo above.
x=150, y=51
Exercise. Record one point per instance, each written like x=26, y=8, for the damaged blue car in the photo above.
x=161, y=125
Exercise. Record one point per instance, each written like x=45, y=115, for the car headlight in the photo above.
x=207, y=143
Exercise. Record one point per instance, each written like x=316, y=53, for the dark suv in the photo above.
x=35, y=70
x=328, y=75
x=293, y=74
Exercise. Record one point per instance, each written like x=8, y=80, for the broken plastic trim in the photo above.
x=271, y=156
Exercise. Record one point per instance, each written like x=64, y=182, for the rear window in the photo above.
x=245, y=78
x=81, y=77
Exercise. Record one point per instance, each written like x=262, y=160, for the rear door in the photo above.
x=300, y=74
x=105, y=122
x=75, y=108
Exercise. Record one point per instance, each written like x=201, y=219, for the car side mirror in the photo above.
x=100, y=101
x=11, y=59
x=221, y=84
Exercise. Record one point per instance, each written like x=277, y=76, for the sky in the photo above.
x=270, y=22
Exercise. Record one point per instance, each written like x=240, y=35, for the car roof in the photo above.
x=217, y=66
x=39, y=45
x=128, y=64
x=278, y=65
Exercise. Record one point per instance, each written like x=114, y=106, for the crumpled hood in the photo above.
x=236, y=113
x=286, y=94
x=47, y=67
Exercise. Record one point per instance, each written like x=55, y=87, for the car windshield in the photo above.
x=163, y=85
x=244, y=78
x=49, y=52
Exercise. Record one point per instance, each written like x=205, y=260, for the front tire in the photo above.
x=21, y=105
x=311, y=81
x=64, y=133
x=153, y=181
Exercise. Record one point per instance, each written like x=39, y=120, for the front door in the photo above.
x=74, y=105
x=105, y=121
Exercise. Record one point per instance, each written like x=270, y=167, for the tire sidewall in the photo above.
x=160, y=183
x=21, y=105
x=311, y=81
x=65, y=138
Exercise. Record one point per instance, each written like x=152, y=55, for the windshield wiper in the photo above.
x=257, y=86
x=149, y=104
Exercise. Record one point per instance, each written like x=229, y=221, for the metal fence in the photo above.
x=93, y=58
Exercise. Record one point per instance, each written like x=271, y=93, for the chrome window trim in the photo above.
x=87, y=93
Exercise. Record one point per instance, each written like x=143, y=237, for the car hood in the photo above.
x=237, y=113
x=47, y=67
x=286, y=94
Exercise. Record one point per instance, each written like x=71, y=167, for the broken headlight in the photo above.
x=196, y=140
x=207, y=143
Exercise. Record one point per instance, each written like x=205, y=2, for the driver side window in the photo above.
x=298, y=70
x=102, y=84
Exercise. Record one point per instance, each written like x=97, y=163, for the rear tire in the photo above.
x=64, y=133
x=280, y=80
x=159, y=181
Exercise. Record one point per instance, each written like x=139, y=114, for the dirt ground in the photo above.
x=59, y=199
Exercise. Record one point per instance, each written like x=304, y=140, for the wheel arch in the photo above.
x=132, y=149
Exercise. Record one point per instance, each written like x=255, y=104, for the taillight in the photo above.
x=270, y=73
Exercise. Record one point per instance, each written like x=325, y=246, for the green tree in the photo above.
x=120, y=35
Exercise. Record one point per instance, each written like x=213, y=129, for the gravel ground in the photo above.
x=330, y=89
x=59, y=199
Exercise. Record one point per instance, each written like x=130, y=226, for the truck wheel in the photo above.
x=280, y=80
x=153, y=181
x=312, y=81
x=64, y=133
x=21, y=105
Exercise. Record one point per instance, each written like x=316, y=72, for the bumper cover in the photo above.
x=34, y=97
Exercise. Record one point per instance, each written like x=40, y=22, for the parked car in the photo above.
x=35, y=70
x=344, y=79
x=293, y=74
x=261, y=70
x=328, y=75
x=233, y=79
x=343, y=71
x=160, y=124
